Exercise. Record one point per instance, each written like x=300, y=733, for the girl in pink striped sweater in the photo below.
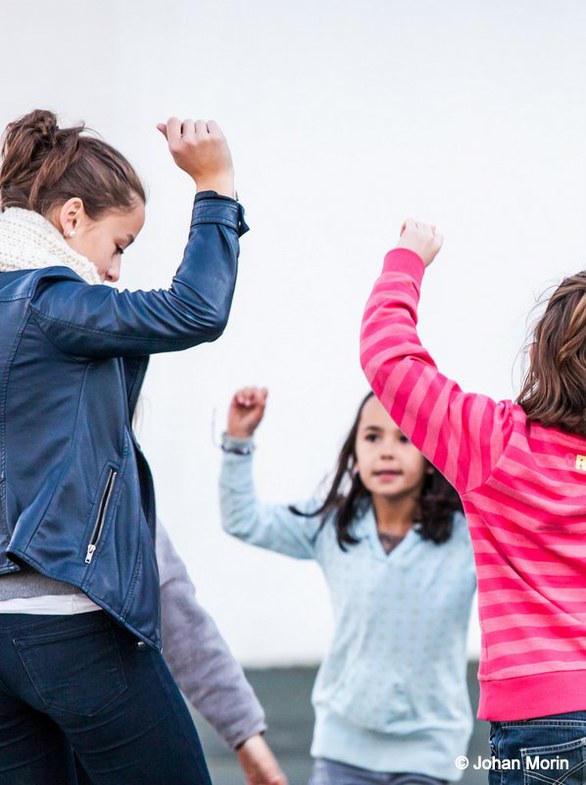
x=520, y=469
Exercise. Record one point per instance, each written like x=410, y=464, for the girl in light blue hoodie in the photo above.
x=390, y=698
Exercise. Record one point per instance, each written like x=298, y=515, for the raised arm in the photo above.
x=272, y=526
x=98, y=321
x=462, y=434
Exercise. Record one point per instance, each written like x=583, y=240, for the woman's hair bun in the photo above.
x=42, y=123
x=40, y=126
x=42, y=165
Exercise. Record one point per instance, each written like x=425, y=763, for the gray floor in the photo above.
x=285, y=694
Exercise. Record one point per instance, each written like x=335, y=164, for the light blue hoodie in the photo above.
x=391, y=693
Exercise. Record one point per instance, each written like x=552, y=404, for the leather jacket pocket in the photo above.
x=100, y=512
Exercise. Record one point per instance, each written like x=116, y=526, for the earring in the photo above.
x=71, y=233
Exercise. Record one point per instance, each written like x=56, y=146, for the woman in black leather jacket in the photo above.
x=79, y=600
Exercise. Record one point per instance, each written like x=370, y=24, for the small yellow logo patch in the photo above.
x=581, y=462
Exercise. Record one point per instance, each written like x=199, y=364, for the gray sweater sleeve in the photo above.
x=199, y=658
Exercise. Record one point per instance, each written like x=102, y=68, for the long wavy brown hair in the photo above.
x=348, y=499
x=554, y=388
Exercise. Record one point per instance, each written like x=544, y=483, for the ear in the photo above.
x=71, y=214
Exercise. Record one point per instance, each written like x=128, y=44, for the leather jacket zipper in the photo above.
x=102, y=510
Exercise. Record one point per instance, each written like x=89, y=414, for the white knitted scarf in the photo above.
x=28, y=241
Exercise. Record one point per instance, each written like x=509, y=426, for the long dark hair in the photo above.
x=44, y=165
x=348, y=498
x=554, y=389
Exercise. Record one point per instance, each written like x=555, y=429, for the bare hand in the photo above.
x=200, y=149
x=259, y=764
x=422, y=239
x=247, y=409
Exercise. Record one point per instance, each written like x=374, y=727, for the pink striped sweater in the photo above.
x=523, y=487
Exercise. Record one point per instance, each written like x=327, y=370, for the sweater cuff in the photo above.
x=212, y=208
x=241, y=736
x=402, y=260
x=233, y=444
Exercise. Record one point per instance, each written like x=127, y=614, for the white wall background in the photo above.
x=344, y=118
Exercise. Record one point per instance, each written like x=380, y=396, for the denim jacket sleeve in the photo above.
x=271, y=526
x=99, y=321
x=198, y=656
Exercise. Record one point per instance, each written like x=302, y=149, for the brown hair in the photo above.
x=554, y=389
x=348, y=499
x=42, y=166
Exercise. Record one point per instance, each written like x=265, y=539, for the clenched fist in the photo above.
x=422, y=239
x=200, y=149
x=247, y=409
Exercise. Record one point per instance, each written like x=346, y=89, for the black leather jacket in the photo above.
x=76, y=494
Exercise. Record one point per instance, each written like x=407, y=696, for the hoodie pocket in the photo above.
x=372, y=701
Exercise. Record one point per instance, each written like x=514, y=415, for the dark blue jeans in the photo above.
x=84, y=683
x=544, y=751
